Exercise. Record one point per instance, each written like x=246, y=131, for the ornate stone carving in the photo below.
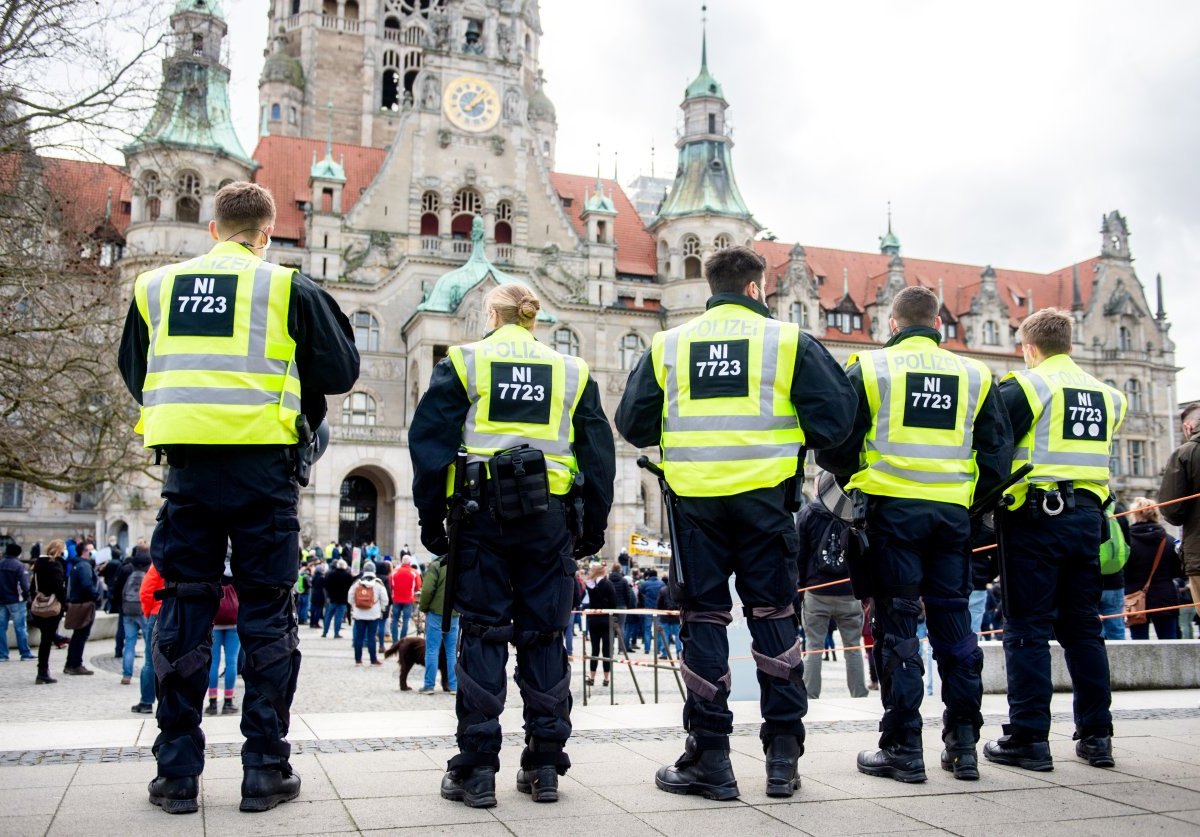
x=512, y=104
x=497, y=145
x=444, y=137
x=431, y=93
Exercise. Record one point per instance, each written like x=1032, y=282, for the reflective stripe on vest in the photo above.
x=727, y=444
x=1045, y=445
x=898, y=457
x=235, y=388
x=483, y=438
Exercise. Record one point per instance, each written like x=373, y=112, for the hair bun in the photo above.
x=529, y=308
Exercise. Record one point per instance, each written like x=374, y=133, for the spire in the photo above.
x=1161, y=314
x=615, y=178
x=1076, y=294
x=941, y=298
x=108, y=217
x=704, y=84
x=704, y=38
x=329, y=136
x=889, y=244
x=328, y=169
x=652, y=158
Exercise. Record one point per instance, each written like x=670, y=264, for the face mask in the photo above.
x=265, y=248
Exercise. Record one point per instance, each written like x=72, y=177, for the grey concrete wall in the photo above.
x=1150, y=664
x=105, y=627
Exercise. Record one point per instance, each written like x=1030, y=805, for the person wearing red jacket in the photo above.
x=406, y=583
x=151, y=584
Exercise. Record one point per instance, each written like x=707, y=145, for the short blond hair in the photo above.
x=242, y=206
x=1048, y=330
x=56, y=548
x=514, y=304
x=1144, y=511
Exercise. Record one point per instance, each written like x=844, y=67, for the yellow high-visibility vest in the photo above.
x=728, y=422
x=221, y=367
x=1075, y=418
x=924, y=401
x=521, y=393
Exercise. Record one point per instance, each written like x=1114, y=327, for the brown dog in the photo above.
x=411, y=651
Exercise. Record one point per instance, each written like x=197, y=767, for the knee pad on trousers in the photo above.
x=898, y=652
x=710, y=617
x=787, y=666
x=948, y=605
x=965, y=652
x=703, y=688
x=552, y=702
x=187, y=664
x=906, y=605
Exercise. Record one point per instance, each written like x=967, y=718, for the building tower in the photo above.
x=704, y=211
x=189, y=148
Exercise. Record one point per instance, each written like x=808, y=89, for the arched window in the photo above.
x=412, y=67
x=691, y=257
x=468, y=201
x=1133, y=392
x=631, y=349
x=329, y=8
x=504, y=211
x=566, y=341
x=358, y=408
x=601, y=232
x=351, y=9
x=152, y=187
x=504, y=216
x=390, y=93
x=431, y=202
x=1125, y=339
x=721, y=242
x=991, y=333
x=276, y=112
x=366, y=331
x=293, y=115
x=187, y=191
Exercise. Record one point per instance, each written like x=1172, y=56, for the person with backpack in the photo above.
x=129, y=583
x=225, y=644
x=367, y=597
x=822, y=559
x=1114, y=553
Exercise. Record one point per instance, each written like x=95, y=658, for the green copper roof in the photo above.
x=889, y=244
x=280, y=66
x=450, y=290
x=705, y=84
x=704, y=183
x=598, y=201
x=193, y=111
x=327, y=169
x=206, y=7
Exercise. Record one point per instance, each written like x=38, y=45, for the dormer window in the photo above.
x=991, y=333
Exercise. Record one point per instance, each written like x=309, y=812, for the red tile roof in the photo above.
x=866, y=272
x=81, y=191
x=635, y=246
x=286, y=163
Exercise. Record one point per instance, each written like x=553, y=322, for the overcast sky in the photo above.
x=1001, y=133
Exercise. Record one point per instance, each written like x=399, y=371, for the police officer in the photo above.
x=929, y=436
x=732, y=397
x=225, y=353
x=515, y=556
x=1064, y=421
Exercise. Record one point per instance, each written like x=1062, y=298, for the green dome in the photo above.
x=704, y=85
x=540, y=106
x=204, y=7
x=280, y=66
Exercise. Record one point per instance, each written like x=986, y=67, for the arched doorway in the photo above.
x=120, y=531
x=358, y=511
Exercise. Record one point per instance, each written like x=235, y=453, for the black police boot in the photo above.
x=474, y=787
x=1096, y=750
x=960, y=757
x=540, y=782
x=265, y=787
x=1019, y=752
x=904, y=763
x=708, y=773
x=175, y=796
x=783, y=752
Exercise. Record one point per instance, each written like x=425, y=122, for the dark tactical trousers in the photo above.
x=515, y=584
x=753, y=536
x=920, y=550
x=246, y=496
x=1054, y=590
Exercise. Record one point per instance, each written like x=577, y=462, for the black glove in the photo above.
x=434, y=538
x=588, y=544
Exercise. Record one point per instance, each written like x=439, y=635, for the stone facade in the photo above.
x=476, y=138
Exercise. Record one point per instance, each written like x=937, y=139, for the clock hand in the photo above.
x=474, y=101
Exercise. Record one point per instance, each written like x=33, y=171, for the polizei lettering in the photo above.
x=515, y=350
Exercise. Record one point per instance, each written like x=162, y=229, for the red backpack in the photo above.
x=364, y=596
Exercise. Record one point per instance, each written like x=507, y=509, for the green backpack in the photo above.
x=1114, y=552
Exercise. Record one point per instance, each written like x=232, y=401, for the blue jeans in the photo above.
x=975, y=605
x=380, y=631
x=1112, y=601
x=670, y=639
x=633, y=630
x=364, y=634
x=302, y=607
x=147, y=682
x=224, y=639
x=15, y=612
x=133, y=626
x=569, y=633
x=334, y=614
x=433, y=644
x=399, y=610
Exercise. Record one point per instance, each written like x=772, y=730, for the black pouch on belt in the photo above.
x=520, y=486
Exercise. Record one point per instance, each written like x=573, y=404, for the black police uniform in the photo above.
x=1053, y=589
x=752, y=535
x=920, y=550
x=246, y=495
x=515, y=580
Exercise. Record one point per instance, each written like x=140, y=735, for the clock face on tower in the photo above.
x=471, y=104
